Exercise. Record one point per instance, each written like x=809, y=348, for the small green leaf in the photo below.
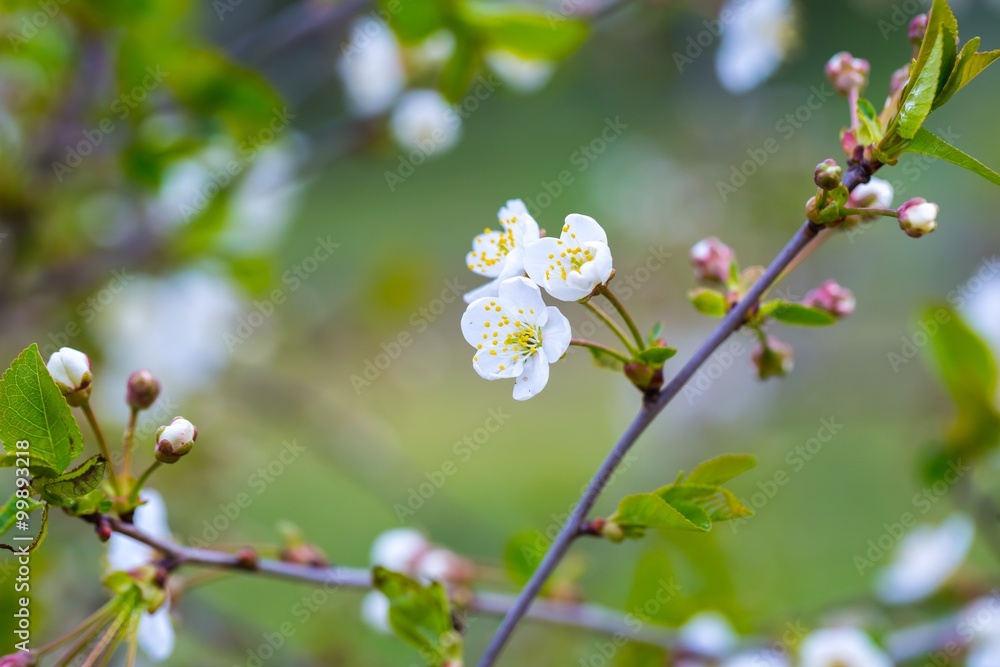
x=968, y=66
x=708, y=302
x=964, y=360
x=420, y=615
x=871, y=129
x=656, y=356
x=9, y=510
x=721, y=469
x=927, y=143
x=527, y=32
x=917, y=104
x=797, y=314
x=39, y=538
x=639, y=512
x=604, y=360
x=461, y=68
x=720, y=504
x=32, y=408
x=413, y=20
x=78, y=482
x=654, y=333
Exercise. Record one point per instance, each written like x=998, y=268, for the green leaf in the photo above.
x=461, y=68
x=32, y=408
x=797, y=314
x=721, y=469
x=720, y=504
x=656, y=356
x=420, y=615
x=39, y=538
x=968, y=66
x=527, y=32
x=964, y=360
x=871, y=129
x=413, y=20
x=641, y=511
x=654, y=333
x=604, y=360
x=708, y=302
x=36, y=470
x=9, y=510
x=917, y=103
x=927, y=143
x=78, y=482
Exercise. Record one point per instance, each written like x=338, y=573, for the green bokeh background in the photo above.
x=654, y=186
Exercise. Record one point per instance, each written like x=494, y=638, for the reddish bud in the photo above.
x=832, y=298
x=142, y=390
x=712, y=260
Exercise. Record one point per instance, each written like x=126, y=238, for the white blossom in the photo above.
x=516, y=336
x=375, y=612
x=399, y=549
x=70, y=369
x=841, y=647
x=708, y=633
x=924, y=560
x=755, y=40
x=500, y=254
x=371, y=68
x=571, y=266
x=424, y=121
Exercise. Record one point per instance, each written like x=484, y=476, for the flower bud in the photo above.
x=832, y=298
x=712, y=260
x=918, y=26
x=876, y=193
x=142, y=390
x=827, y=174
x=612, y=531
x=774, y=360
x=399, y=549
x=71, y=370
x=847, y=73
x=175, y=440
x=375, y=612
x=19, y=659
x=918, y=217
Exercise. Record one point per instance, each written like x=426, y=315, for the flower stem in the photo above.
x=622, y=336
x=887, y=212
x=128, y=439
x=86, y=624
x=143, y=478
x=103, y=444
x=579, y=342
x=620, y=307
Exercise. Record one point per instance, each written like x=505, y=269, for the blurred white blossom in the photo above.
x=841, y=647
x=520, y=74
x=375, y=612
x=423, y=120
x=371, y=68
x=754, y=42
x=708, y=633
x=924, y=560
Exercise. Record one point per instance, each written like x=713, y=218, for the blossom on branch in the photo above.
x=500, y=254
x=570, y=267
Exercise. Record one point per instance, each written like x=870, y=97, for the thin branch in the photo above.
x=650, y=409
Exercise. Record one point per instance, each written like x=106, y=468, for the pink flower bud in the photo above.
x=775, y=360
x=19, y=659
x=71, y=370
x=832, y=298
x=876, y=193
x=175, y=440
x=142, y=390
x=712, y=260
x=847, y=73
x=918, y=217
x=918, y=26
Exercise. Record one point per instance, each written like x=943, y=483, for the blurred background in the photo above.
x=312, y=293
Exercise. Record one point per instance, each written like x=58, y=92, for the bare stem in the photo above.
x=137, y=487
x=103, y=444
x=128, y=440
x=886, y=212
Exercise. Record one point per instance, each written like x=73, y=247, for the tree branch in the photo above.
x=650, y=409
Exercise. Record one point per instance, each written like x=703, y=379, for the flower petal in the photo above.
x=539, y=260
x=480, y=320
x=580, y=229
x=556, y=335
x=534, y=378
x=487, y=257
x=492, y=363
x=595, y=272
x=515, y=216
x=156, y=634
x=488, y=290
x=522, y=300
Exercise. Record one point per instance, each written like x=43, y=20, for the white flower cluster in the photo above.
x=515, y=334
